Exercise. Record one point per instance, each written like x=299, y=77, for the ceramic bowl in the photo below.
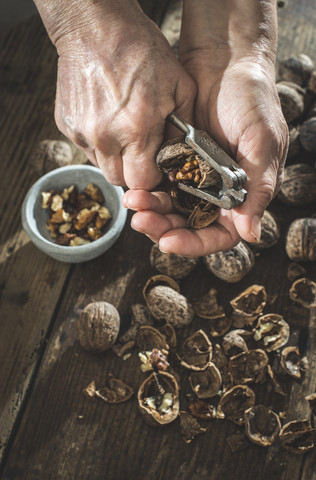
x=34, y=217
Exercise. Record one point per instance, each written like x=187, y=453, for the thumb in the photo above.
x=247, y=217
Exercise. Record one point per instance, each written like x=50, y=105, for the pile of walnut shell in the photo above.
x=198, y=375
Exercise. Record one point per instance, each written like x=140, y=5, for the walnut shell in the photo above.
x=291, y=361
x=196, y=352
x=248, y=367
x=308, y=134
x=156, y=386
x=297, y=436
x=292, y=102
x=262, y=425
x=207, y=383
x=165, y=303
x=235, y=402
x=51, y=154
x=231, y=265
x=299, y=185
x=248, y=305
x=297, y=69
x=270, y=232
x=271, y=332
x=303, y=291
x=98, y=326
x=300, y=243
x=177, y=266
x=294, y=141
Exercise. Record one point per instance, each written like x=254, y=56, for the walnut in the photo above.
x=231, y=265
x=165, y=303
x=299, y=185
x=294, y=141
x=182, y=164
x=248, y=367
x=51, y=154
x=270, y=232
x=308, y=134
x=98, y=326
x=292, y=102
x=177, y=266
x=196, y=351
x=248, y=305
x=296, y=69
x=271, y=332
x=300, y=242
x=291, y=361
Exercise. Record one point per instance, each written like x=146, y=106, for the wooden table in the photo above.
x=48, y=428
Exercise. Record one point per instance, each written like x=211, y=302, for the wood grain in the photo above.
x=59, y=433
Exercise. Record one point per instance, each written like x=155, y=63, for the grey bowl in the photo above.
x=34, y=217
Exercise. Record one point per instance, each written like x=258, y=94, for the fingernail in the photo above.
x=124, y=203
x=256, y=227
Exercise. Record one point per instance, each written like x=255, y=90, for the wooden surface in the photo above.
x=48, y=428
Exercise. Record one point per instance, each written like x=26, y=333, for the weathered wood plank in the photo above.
x=31, y=283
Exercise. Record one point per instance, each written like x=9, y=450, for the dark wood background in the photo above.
x=48, y=428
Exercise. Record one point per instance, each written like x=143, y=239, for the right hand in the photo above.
x=118, y=80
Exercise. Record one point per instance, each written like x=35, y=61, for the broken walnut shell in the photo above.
x=231, y=265
x=248, y=367
x=196, y=351
x=262, y=425
x=235, y=402
x=202, y=410
x=114, y=391
x=271, y=332
x=248, y=305
x=234, y=342
x=297, y=436
x=158, y=398
x=300, y=243
x=206, y=384
x=98, y=326
x=189, y=427
x=303, y=291
x=206, y=306
x=149, y=337
x=291, y=361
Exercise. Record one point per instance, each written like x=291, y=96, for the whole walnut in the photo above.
x=294, y=141
x=231, y=265
x=300, y=242
x=299, y=185
x=98, y=326
x=165, y=303
x=292, y=102
x=297, y=69
x=308, y=134
x=270, y=232
x=177, y=266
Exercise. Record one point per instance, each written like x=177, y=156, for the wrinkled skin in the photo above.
x=118, y=80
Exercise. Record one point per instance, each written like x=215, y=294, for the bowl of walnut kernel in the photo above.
x=73, y=214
